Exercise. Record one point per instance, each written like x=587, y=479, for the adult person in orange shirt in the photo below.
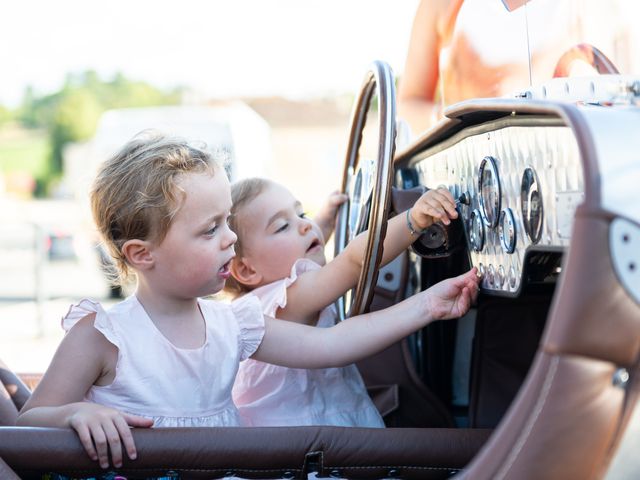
x=463, y=49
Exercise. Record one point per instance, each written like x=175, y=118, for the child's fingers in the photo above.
x=437, y=204
x=100, y=441
x=468, y=279
x=473, y=275
x=338, y=198
x=472, y=282
x=472, y=279
x=85, y=438
x=127, y=438
x=464, y=301
x=445, y=191
x=123, y=424
x=433, y=208
x=437, y=209
x=446, y=200
x=113, y=440
x=444, y=196
x=136, y=421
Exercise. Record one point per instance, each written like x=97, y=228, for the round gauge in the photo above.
x=531, y=204
x=507, y=230
x=490, y=193
x=476, y=231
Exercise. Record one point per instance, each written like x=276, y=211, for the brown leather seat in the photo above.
x=263, y=452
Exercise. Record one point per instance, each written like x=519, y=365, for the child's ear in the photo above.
x=138, y=254
x=244, y=273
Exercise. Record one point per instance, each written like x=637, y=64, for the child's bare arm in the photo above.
x=326, y=217
x=78, y=363
x=314, y=290
x=364, y=335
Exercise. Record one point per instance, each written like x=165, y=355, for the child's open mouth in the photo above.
x=314, y=245
x=224, y=271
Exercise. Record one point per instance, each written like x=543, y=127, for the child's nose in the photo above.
x=231, y=237
x=305, y=225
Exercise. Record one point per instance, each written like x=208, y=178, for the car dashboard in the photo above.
x=517, y=184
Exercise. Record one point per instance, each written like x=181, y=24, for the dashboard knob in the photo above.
x=464, y=199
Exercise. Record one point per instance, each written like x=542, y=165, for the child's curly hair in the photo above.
x=135, y=193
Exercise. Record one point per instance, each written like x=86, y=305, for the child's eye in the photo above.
x=303, y=215
x=282, y=228
x=211, y=232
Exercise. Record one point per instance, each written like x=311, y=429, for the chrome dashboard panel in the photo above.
x=544, y=145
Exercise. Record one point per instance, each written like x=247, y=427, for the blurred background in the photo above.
x=267, y=84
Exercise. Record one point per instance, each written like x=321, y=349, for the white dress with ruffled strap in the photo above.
x=176, y=387
x=270, y=395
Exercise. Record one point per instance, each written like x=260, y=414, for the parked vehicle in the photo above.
x=539, y=381
x=59, y=245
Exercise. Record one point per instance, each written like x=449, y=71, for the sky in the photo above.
x=292, y=48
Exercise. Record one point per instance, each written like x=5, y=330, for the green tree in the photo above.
x=5, y=115
x=37, y=112
x=75, y=119
x=72, y=113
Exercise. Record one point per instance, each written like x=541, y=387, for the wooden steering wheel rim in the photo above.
x=588, y=54
x=379, y=75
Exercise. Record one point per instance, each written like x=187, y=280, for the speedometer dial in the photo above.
x=531, y=204
x=490, y=197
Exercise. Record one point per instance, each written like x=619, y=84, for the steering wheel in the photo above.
x=368, y=185
x=585, y=53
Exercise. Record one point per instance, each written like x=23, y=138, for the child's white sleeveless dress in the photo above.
x=270, y=395
x=176, y=387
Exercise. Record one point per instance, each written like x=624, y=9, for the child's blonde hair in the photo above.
x=135, y=193
x=242, y=193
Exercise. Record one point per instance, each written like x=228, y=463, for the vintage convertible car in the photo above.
x=539, y=380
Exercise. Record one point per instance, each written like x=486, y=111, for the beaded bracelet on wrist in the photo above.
x=412, y=230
